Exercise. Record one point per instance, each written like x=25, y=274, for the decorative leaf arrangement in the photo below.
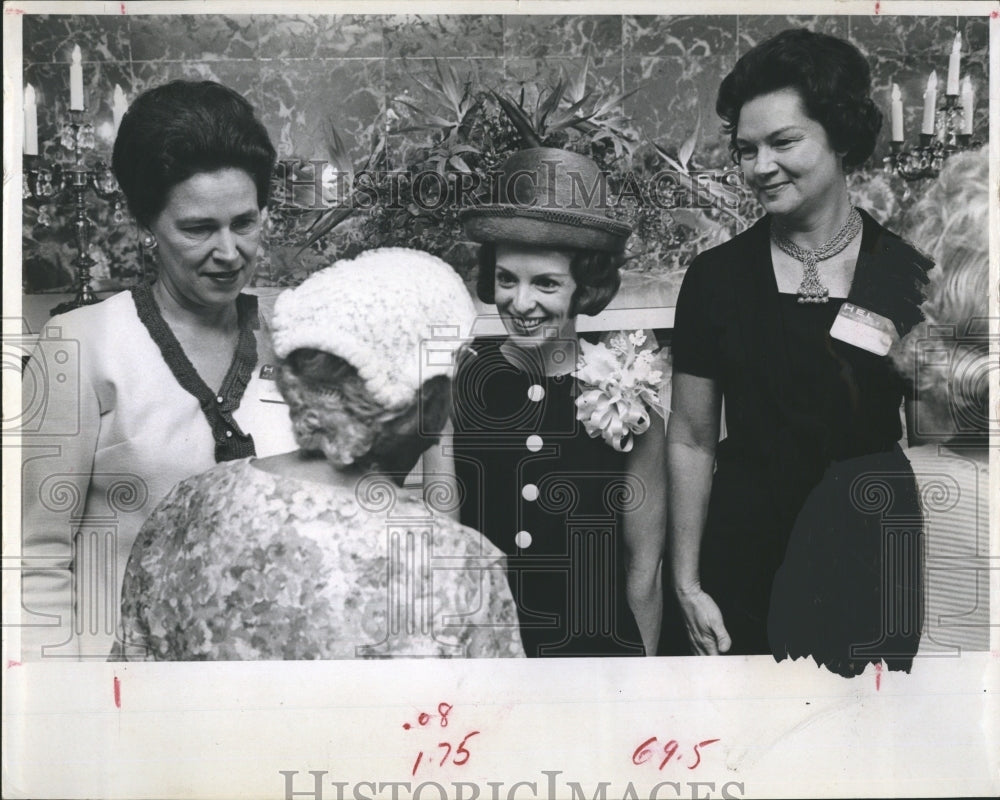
x=468, y=131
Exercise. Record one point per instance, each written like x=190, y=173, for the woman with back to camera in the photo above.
x=947, y=360
x=319, y=553
x=170, y=374
x=780, y=549
x=566, y=483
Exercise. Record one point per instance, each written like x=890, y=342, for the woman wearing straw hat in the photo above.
x=558, y=457
x=318, y=553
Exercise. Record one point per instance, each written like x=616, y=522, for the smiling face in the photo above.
x=207, y=236
x=533, y=291
x=787, y=158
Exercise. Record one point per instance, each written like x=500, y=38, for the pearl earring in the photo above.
x=149, y=241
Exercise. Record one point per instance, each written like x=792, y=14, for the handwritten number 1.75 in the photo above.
x=461, y=754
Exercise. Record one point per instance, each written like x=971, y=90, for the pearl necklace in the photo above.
x=812, y=290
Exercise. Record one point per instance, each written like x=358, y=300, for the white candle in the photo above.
x=968, y=105
x=76, y=81
x=897, y=114
x=930, y=104
x=954, y=65
x=30, y=122
x=119, y=105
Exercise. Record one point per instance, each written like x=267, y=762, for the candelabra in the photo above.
x=926, y=159
x=46, y=182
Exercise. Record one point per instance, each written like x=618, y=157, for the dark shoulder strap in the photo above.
x=890, y=277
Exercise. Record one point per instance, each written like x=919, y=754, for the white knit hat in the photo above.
x=396, y=315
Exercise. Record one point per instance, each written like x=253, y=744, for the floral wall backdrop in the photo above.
x=398, y=93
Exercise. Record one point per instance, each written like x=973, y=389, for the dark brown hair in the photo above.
x=181, y=128
x=831, y=76
x=596, y=275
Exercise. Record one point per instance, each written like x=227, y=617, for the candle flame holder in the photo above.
x=928, y=157
x=47, y=182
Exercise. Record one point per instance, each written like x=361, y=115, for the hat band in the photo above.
x=579, y=220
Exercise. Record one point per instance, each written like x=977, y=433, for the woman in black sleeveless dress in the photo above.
x=806, y=538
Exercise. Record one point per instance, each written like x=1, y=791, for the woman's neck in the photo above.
x=813, y=230
x=174, y=309
x=310, y=467
x=556, y=356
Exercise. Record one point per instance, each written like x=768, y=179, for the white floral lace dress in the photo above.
x=241, y=564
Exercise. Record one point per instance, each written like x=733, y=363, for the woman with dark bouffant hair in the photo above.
x=558, y=457
x=777, y=533
x=172, y=374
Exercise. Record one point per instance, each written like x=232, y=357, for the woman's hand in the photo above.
x=703, y=620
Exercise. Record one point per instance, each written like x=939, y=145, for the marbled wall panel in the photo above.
x=185, y=37
x=540, y=37
x=319, y=36
x=755, y=29
x=52, y=37
x=674, y=91
x=922, y=39
x=679, y=36
x=241, y=76
x=442, y=35
x=299, y=97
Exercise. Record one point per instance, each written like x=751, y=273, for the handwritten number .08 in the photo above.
x=644, y=752
x=423, y=718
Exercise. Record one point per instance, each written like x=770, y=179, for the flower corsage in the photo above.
x=621, y=382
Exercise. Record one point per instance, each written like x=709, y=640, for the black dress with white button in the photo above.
x=550, y=497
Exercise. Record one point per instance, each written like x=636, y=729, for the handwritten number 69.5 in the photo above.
x=644, y=752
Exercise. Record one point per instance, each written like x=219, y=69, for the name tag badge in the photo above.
x=267, y=390
x=864, y=329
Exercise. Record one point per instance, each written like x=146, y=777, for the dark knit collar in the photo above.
x=230, y=441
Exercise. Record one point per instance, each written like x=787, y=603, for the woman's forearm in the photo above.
x=692, y=436
x=645, y=598
x=645, y=533
x=690, y=479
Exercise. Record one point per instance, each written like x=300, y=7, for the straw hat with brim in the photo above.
x=552, y=198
